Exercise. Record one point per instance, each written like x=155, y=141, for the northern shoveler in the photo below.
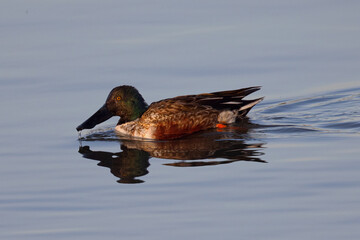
x=173, y=117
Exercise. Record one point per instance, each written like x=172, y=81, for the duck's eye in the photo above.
x=118, y=98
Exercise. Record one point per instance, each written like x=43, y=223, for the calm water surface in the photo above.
x=291, y=171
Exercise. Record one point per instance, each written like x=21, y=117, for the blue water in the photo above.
x=291, y=171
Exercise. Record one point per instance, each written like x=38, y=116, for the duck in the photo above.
x=171, y=118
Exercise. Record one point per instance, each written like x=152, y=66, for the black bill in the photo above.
x=100, y=116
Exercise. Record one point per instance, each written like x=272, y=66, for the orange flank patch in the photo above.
x=219, y=125
x=178, y=129
x=174, y=131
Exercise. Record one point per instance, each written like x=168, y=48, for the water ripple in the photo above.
x=332, y=112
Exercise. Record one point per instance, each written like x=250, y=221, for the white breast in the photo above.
x=133, y=129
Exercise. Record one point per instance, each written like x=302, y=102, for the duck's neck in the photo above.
x=134, y=110
x=138, y=110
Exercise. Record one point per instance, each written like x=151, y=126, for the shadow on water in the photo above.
x=207, y=148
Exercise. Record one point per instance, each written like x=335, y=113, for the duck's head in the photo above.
x=123, y=101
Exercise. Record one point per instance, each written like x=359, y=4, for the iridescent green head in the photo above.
x=123, y=101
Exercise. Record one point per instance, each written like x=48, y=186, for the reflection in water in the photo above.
x=126, y=165
x=194, y=151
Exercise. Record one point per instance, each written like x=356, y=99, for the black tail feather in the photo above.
x=231, y=100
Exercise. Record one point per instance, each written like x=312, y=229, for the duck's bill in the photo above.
x=100, y=116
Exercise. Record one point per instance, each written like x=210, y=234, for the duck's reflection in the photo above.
x=202, y=150
x=126, y=165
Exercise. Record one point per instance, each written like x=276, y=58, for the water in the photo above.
x=290, y=172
